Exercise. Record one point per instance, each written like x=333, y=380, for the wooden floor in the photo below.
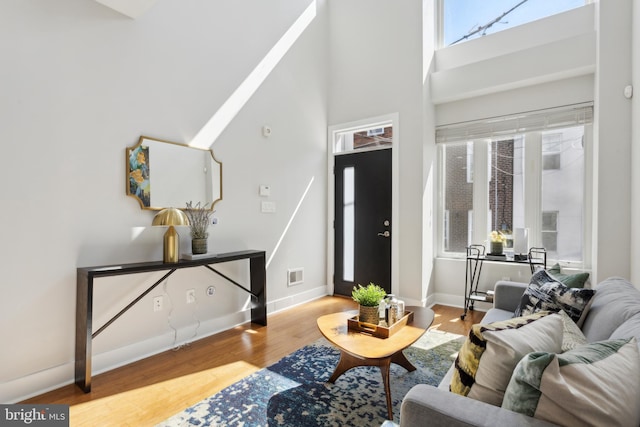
x=151, y=390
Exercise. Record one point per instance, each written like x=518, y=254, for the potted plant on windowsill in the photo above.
x=369, y=298
x=199, y=221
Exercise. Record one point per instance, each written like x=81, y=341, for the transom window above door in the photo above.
x=364, y=139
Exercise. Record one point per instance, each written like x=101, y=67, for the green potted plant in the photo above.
x=369, y=298
x=199, y=221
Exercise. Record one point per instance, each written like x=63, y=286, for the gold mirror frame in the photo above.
x=175, y=172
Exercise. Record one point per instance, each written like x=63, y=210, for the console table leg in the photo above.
x=259, y=288
x=84, y=309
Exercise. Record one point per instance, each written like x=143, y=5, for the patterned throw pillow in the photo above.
x=572, y=336
x=545, y=293
x=594, y=384
x=488, y=356
x=569, y=280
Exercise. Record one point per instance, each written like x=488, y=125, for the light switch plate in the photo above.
x=268, y=207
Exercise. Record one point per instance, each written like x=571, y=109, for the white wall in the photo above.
x=635, y=142
x=429, y=172
x=612, y=140
x=376, y=69
x=80, y=83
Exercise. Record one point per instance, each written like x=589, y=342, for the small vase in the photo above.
x=198, y=246
x=369, y=314
x=496, y=248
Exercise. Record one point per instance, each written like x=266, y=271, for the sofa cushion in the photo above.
x=616, y=300
x=545, y=293
x=496, y=315
x=594, y=384
x=577, y=280
x=490, y=353
x=630, y=328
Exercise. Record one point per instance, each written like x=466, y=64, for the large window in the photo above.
x=469, y=19
x=533, y=179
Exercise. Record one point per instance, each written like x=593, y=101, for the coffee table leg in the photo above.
x=347, y=361
x=400, y=359
x=384, y=370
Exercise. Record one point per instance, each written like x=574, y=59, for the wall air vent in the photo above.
x=295, y=276
x=375, y=132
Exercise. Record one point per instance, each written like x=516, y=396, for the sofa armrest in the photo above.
x=442, y=408
x=508, y=294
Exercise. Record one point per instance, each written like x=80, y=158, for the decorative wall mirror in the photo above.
x=163, y=174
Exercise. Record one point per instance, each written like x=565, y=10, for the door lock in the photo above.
x=385, y=234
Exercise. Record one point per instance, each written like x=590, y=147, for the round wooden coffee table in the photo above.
x=361, y=349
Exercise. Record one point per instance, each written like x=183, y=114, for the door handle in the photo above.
x=385, y=234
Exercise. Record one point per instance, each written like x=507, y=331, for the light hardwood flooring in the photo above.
x=151, y=390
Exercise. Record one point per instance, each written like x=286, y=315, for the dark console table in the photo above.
x=84, y=301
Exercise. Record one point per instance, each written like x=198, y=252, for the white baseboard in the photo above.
x=297, y=299
x=53, y=378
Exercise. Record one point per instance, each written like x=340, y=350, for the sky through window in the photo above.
x=469, y=19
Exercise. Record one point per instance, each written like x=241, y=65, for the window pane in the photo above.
x=348, y=238
x=458, y=196
x=550, y=161
x=549, y=221
x=551, y=150
x=364, y=139
x=468, y=19
x=513, y=195
x=550, y=241
x=502, y=185
x=563, y=195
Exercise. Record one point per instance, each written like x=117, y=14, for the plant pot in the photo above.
x=496, y=248
x=198, y=246
x=369, y=315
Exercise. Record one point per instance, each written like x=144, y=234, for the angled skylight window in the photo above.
x=463, y=20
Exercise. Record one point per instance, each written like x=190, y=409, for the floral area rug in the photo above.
x=294, y=391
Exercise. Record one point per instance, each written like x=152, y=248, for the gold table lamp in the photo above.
x=171, y=217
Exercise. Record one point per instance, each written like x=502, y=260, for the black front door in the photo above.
x=362, y=220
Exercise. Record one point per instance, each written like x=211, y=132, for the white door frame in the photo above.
x=380, y=121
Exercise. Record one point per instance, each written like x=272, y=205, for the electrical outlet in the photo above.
x=191, y=296
x=157, y=303
x=211, y=290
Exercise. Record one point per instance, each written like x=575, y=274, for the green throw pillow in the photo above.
x=593, y=384
x=569, y=280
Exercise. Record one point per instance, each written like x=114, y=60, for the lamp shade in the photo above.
x=170, y=216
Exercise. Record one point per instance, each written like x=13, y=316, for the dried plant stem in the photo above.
x=199, y=219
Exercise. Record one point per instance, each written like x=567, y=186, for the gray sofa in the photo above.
x=614, y=313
